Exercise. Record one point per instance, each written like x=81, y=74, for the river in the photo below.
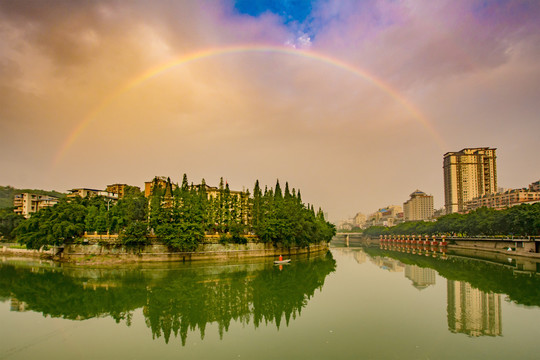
x=351, y=303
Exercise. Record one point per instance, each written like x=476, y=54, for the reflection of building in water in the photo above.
x=360, y=257
x=421, y=277
x=17, y=305
x=388, y=264
x=90, y=285
x=473, y=312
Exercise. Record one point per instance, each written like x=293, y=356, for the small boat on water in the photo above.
x=279, y=262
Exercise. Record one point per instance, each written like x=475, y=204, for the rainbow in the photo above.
x=202, y=54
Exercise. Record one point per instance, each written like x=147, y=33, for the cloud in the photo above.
x=411, y=42
x=349, y=144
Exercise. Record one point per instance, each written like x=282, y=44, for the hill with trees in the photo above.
x=7, y=194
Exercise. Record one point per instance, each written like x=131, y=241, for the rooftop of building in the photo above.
x=87, y=189
x=418, y=193
x=509, y=191
x=39, y=195
x=464, y=150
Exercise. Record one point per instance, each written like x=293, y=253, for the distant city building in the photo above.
x=345, y=225
x=387, y=216
x=359, y=220
x=119, y=189
x=471, y=311
x=421, y=277
x=84, y=192
x=26, y=204
x=468, y=174
x=439, y=212
x=504, y=200
x=418, y=207
x=158, y=181
x=535, y=186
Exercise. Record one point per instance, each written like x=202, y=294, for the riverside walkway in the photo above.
x=524, y=246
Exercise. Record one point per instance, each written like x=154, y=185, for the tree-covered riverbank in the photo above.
x=180, y=216
x=521, y=220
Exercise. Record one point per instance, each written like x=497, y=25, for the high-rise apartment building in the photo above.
x=468, y=174
x=418, y=207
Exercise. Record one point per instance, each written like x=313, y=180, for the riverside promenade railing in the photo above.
x=114, y=239
x=525, y=246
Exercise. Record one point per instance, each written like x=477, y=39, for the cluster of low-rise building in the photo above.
x=418, y=207
x=503, y=199
x=470, y=182
x=26, y=204
x=161, y=182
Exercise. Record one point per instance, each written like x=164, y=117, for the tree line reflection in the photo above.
x=474, y=286
x=174, y=301
x=487, y=275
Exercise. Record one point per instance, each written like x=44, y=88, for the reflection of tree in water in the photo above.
x=174, y=301
x=486, y=276
x=52, y=293
x=191, y=301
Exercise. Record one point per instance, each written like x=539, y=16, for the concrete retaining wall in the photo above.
x=518, y=246
x=6, y=250
x=113, y=253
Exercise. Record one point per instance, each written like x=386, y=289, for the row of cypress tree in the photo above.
x=181, y=216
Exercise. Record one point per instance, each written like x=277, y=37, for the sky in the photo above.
x=353, y=102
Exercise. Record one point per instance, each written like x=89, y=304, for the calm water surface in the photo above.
x=352, y=303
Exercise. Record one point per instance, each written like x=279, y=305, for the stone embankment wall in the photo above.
x=114, y=239
x=520, y=246
x=157, y=252
x=9, y=251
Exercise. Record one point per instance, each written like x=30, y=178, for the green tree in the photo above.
x=59, y=224
x=8, y=222
x=135, y=233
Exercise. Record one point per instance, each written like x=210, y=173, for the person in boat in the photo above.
x=280, y=257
